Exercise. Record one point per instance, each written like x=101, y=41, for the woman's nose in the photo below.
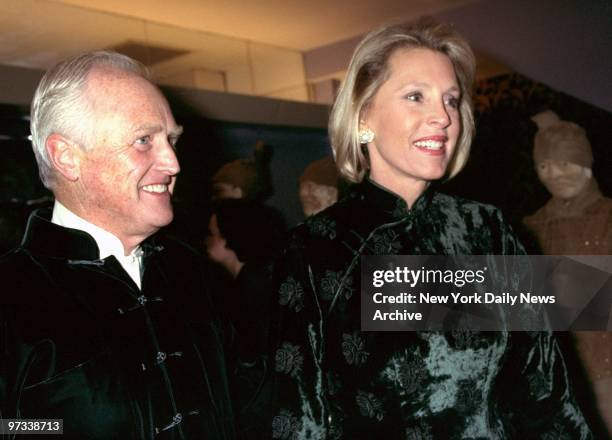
x=439, y=115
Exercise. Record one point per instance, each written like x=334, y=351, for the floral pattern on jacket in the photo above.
x=334, y=381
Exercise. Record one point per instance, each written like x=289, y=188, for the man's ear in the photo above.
x=64, y=156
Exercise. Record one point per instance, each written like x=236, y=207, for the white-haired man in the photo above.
x=106, y=325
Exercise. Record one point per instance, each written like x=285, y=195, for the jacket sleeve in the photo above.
x=536, y=386
x=537, y=390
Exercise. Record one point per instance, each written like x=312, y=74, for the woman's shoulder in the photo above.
x=464, y=207
x=331, y=224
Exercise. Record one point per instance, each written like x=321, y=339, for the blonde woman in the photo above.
x=401, y=122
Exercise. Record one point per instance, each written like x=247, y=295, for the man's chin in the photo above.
x=162, y=219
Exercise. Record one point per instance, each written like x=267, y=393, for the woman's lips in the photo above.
x=433, y=145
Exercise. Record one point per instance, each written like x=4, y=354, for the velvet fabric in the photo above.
x=333, y=381
x=82, y=343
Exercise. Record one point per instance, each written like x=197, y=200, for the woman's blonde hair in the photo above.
x=368, y=70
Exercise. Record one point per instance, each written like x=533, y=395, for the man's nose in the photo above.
x=167, y=160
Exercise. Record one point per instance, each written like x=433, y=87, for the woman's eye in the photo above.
x=452, y=102
x=416, y=97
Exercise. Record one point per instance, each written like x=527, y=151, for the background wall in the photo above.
x=565, y=44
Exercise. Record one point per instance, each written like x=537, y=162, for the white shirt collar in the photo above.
x=108, y=243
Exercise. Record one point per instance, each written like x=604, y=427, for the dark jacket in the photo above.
x=79, y=341
x=336, y=382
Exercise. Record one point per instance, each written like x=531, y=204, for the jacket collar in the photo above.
x=43, y=237
x=392, y=205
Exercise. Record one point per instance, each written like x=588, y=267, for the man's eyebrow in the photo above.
x=155, y=128
x=177, y=131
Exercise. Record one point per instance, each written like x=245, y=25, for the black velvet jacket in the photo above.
x=336, y=382
x=79, y=341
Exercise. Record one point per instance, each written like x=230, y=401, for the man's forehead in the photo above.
x=118, y=90
x=104, y=79
x=109, y=72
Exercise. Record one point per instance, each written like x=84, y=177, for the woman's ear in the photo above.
x=64, y=156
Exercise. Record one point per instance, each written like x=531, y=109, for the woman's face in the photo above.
x=563, y=179
x=415, y=118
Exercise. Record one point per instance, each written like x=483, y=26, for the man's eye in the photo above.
x=143, y=140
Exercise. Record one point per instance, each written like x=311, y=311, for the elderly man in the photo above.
x=104, y=323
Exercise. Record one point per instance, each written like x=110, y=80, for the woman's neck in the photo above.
x=407, y=189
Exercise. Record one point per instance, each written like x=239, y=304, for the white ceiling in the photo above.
x=294, y=24
x=245, y=46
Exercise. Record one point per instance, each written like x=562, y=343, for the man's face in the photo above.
x=129, y=168
x=563, y=179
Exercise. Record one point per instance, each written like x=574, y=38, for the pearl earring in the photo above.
x=366, y=136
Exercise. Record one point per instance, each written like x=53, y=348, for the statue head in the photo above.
x=318, y=186
x=562, y=156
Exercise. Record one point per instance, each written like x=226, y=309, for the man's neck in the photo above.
x=108, y=242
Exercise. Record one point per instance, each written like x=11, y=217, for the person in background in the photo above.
x=245, y=178
x=403, y=121
x=105, y=323
x=244, y=238
x=243, y=231
x=577, y=220
x=319, y=186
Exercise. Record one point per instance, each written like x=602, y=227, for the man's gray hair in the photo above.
x=59, y=105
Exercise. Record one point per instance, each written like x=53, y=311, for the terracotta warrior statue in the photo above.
x=319, y=186
x=577, y=220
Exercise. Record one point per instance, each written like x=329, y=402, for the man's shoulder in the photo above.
x=183, y=258
x=13, y=260
x=24, y=278
x=174, y=245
